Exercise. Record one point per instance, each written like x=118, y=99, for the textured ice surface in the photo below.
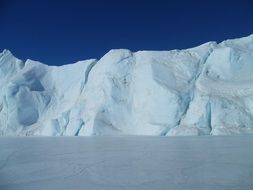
x=126, y=163
x=199, y=91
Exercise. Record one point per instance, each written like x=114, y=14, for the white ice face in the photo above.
x=198, y=91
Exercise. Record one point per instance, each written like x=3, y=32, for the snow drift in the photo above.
x=199, y=91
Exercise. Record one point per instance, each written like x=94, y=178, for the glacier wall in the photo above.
x=199, y=91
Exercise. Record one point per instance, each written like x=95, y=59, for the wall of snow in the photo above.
x=198, y=91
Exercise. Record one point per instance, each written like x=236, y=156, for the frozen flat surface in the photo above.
x=128, y=162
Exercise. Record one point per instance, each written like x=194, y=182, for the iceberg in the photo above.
x=206, y=90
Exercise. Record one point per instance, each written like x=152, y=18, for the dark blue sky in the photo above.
x=60, y=31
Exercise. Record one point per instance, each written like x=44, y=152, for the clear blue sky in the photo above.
x=59, y=31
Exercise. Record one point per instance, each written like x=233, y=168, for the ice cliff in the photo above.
x=199, y=91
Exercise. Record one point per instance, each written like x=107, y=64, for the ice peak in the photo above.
x=5, y=52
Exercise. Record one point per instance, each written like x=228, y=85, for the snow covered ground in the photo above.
x=126, y=162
